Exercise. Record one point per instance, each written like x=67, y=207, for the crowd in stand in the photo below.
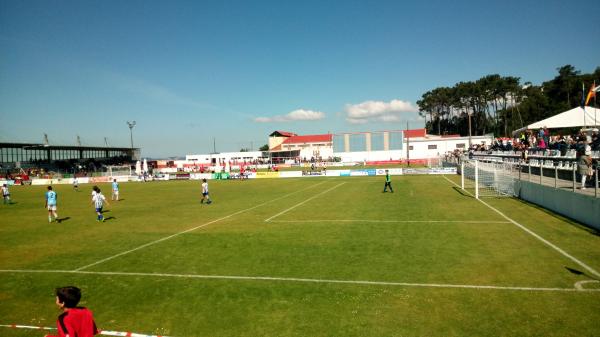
x=583, y=146
x=541, y=140
x=57, y=169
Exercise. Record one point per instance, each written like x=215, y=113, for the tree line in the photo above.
x=501, y=104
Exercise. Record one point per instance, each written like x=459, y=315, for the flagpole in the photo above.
x=583, y=93
x=595, y=106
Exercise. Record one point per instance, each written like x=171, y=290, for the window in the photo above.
x=431, y=147
x=460, y=146
x=410, y=148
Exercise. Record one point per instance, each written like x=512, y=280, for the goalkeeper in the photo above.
x=388, y=182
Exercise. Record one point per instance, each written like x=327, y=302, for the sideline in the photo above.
x=527, y=230
x=192, y=229
x=307, y=280
x=396, y=221
x=100, y=332
x=303, y=202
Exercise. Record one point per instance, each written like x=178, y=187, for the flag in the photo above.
x=591, y=94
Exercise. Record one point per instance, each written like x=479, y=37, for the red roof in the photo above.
x=414, y=133
x=309, y=139
x=282, y=134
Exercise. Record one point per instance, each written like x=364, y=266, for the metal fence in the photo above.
x=557, y=172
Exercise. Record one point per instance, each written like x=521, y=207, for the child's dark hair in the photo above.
x=49, y=188
x=70, y=296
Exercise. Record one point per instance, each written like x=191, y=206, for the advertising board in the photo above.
x=261, y=175
x=290, y=174
x=392, y=171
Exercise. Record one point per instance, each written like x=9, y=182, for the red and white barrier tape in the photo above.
x=100, y=332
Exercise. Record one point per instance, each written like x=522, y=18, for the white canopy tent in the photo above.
x=576, y=117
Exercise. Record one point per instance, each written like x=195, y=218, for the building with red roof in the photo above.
x=305, y=147
x=366, y=146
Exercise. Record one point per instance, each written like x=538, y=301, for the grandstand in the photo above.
x=62, y=158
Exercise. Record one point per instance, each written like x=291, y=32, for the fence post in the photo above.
x=574, y=177
x=596, y=183
x=476, y=179
x=529, y=172
x=541, y=171
x=555, y=176
x=462, y=175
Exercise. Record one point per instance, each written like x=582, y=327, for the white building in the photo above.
x=216, y=158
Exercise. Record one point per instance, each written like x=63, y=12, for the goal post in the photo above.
x=118, y=170
x=489, y=178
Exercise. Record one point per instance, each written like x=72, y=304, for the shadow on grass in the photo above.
x=463, y=193
x=110, y=218
x=59, y=220
x=579, y=272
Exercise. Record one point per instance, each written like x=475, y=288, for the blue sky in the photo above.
x=188, y=71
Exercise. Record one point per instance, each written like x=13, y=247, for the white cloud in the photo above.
x=377, y=111
x=296, y=115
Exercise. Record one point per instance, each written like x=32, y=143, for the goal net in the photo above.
x=114, y=171
x=489, y=178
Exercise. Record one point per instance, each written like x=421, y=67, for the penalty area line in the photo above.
x=303, y=202
x=529, y=231
x=191, y=229
x=307, y=280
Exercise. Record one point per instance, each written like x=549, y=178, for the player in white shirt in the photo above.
x=6, y=194
x=205, y=195
x=75, y=184
x=98, y=200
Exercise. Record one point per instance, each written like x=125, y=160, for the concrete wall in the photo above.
x=580, y=207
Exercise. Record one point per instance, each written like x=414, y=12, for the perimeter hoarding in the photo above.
x=260, y=175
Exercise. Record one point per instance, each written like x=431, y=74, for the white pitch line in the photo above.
x=303, y=202
x=305, y=280
x=527, y=230
x=395, y=221
x=191, y=229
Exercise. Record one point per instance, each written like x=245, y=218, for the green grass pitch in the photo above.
x=300, y=257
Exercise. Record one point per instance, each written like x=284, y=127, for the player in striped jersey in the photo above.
x=98, y=200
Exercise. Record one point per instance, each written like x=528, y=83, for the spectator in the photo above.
x=584, y=165
x=74, y=321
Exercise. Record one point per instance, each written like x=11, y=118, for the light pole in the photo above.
x=131, y=125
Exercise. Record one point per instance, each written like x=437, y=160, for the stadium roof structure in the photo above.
x=576, y=117
x=25, y=152
x=309, y=139
x=39, y=146
x=282, y=134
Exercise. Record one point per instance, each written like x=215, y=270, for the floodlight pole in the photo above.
x=131, y=125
